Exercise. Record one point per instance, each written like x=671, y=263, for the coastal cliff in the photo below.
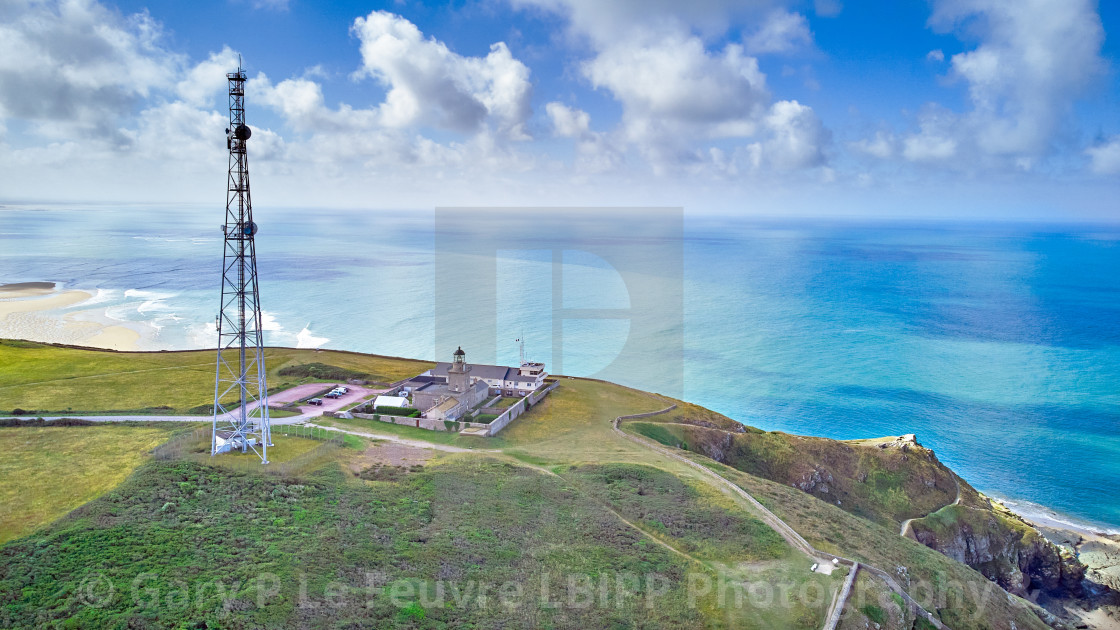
x=1004, y=548
x=895, y=482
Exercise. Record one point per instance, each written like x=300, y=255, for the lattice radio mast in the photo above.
x=240, y=388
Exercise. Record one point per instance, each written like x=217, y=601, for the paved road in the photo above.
x=307, y=412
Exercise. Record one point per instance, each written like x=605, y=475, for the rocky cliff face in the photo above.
x=892, y=479
x=1003, y=548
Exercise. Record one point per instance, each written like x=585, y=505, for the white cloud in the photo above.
x=1035, y=58
x=207, y=78
x=671, y=80
x=77, y=68
x=781, y=32
x=797, y=137
x=430, y=85
x=935, y=55
x=566, y=121
x=595, y=152
x=937, y=139
x=180, y=133
x=882, y=146
x=1104, y=158
x=301, y=103
x=603, y=22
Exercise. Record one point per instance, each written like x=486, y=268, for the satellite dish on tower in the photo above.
x=243, y=132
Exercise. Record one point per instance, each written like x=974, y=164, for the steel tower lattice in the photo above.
x=240, y=388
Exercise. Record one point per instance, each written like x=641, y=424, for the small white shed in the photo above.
x=390, y=401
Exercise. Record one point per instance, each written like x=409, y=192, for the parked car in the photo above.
x=343, y=389
x=332, y=394
x=316, y=401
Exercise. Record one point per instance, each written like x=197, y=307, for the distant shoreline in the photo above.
x=1045, y=517
x=24, y=308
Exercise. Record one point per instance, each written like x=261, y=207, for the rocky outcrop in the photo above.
x=814, y=480
x=1004, y=549
x=718, y=447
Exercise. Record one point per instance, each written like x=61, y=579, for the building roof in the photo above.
x=447, y=405
x=491, y=372
x=390, y=401
x=424, y=379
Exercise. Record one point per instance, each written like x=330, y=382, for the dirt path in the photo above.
x=396, y=438
x=906, y=524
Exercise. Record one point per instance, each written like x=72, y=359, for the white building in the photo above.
x=502, y=380
x=390, y=401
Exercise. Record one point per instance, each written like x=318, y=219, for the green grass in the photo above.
x=285, y=448
x=464, y=522
x=874, y=613
x=969, y=600
x=701, y=523
x=666, y=434
x=504, y=402
x=49, y=379
x=48, y=471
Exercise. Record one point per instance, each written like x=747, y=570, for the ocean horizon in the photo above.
x=997, y=344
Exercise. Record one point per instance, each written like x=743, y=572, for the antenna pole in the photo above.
x=240, y=386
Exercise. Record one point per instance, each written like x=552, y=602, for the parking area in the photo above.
x=355, y=394
x=298, y=392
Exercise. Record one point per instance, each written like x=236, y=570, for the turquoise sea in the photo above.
x=997, y=344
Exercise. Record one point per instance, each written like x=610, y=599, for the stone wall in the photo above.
x=420, y=423
x=498, y=424
x=519, y=408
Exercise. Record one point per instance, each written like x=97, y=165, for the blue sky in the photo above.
x=954, y=108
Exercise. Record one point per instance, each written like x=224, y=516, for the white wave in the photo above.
x=120, y=312
x=159, y=239
x=269, y=323
x=102, y=295
x=152, y=300
x=159, y=322
x=203, y=335
x=1047, y=517
x=307, y=340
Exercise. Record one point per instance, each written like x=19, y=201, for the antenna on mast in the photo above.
x=241, y=419
x=521, y=344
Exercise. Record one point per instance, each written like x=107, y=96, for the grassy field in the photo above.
x=47, y=379
x=463, y=522
x=48, y=471
x=564, y=495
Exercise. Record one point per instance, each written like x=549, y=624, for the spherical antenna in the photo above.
x=243, y=132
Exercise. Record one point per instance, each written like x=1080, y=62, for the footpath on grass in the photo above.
x=783, y=528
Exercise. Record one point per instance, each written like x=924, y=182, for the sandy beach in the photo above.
x=39, y=311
